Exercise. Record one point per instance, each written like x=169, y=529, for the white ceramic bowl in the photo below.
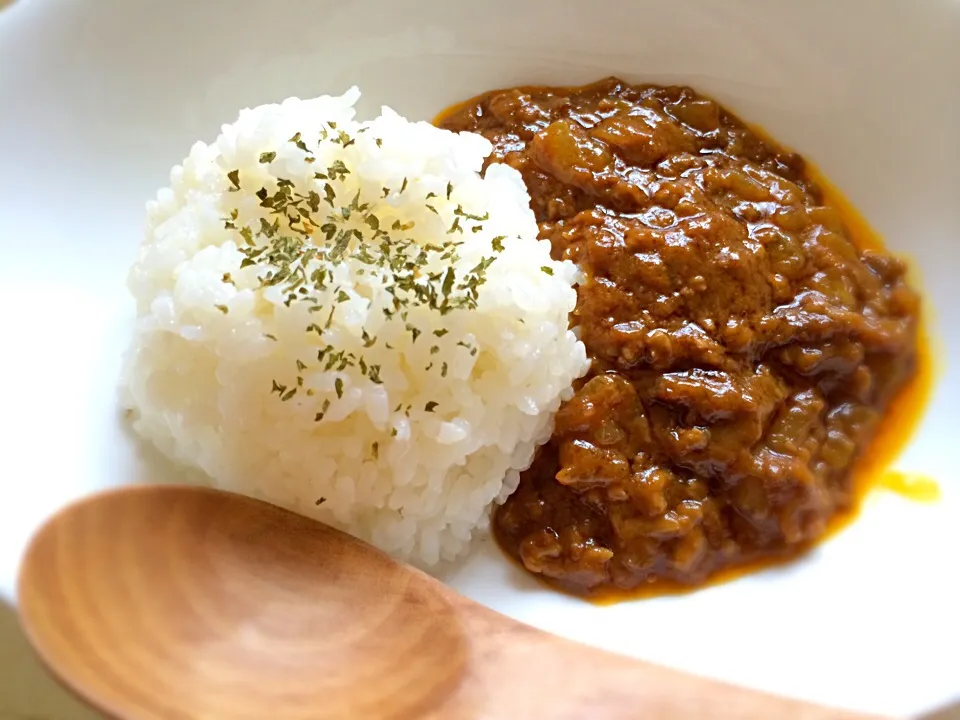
x=98, y=99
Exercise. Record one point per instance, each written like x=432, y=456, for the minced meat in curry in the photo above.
x=743, y=347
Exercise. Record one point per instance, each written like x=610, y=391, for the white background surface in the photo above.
x=98, y=98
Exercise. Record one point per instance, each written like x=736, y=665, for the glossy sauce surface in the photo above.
x=747, y=334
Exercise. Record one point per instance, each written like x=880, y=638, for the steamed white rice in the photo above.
x=224, y=374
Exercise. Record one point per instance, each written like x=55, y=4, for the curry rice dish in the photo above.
x=616, y=317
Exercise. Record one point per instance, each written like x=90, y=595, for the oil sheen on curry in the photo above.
x=744, y=348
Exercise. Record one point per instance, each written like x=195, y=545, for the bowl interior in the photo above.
x=101, y=99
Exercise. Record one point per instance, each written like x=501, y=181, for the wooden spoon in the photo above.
x=182, y=602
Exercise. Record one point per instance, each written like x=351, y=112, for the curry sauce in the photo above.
x=757, y=357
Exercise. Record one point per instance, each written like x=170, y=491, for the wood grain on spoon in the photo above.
x=167, y=602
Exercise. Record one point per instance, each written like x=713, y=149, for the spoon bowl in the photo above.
x=221, y=604
x=184, y=602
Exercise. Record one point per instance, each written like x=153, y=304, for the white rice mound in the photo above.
x=412, y=455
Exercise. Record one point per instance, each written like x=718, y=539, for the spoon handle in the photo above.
x=518, y=671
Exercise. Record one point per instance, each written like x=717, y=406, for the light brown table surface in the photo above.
x=26, y=691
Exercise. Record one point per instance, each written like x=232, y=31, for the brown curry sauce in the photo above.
x=749, y=339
